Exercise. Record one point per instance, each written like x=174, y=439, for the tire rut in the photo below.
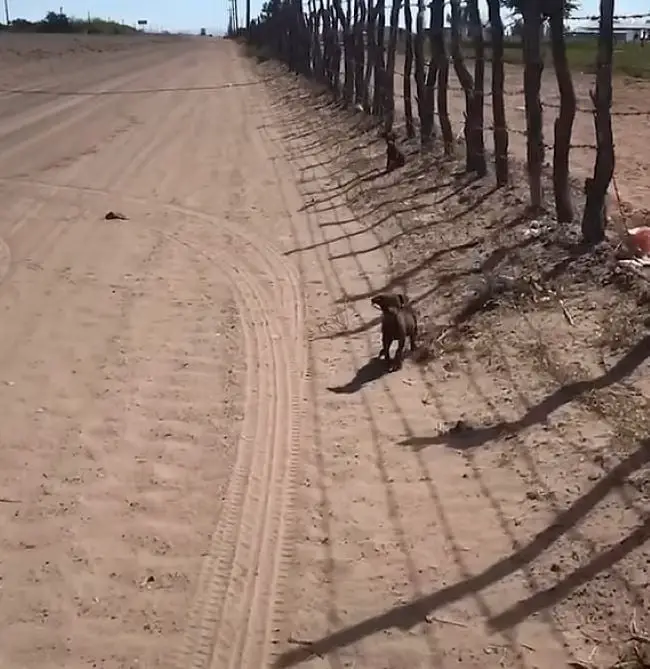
x=35, y=129
x=5, y=259
x=149, y=150
x=41, y=90
x=230, y=623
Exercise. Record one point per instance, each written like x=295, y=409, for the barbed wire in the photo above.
x=511, y=22
x=548, y=147
x=519, y=92
x=488, y=127
x=617, y=17
x=557, y=105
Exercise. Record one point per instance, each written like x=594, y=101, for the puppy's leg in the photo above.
x=399, y=354
x=386, y=341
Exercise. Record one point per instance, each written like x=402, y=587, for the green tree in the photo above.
x=570, y=7
x=54, y=22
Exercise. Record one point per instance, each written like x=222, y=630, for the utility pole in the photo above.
x=7, y=19
x=232, y=17
x=248, y=16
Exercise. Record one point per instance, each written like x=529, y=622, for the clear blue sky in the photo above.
x=195, y=14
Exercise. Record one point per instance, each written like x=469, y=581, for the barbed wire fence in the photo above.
x=519, y=92
x=487, y=94
x=583, y=108
x=616, y=17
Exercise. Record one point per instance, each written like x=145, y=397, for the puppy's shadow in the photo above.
x=373, y=369
x=461, y=436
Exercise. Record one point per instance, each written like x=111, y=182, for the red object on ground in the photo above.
x=641, y=241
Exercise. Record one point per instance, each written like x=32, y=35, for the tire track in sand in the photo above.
x=230, y=624
x=5, y=259
x=19, y=133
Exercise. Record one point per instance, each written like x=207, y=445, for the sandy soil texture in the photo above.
x=151, y=367
x=202, y=467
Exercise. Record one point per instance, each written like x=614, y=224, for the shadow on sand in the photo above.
x=373, y=369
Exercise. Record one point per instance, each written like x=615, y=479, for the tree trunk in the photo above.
x=359, y=50
x=439, y=56
x=500, y=131
x=319, y=60
x=336, y=54
x=533, y=67
x=389, y=76
x=430, y=83
x=425, y=111
x=563, y=126
x=467, y=83
x=348, y=46
x=378, y=104
x=371, y=31
x=328, y=47
x=310, y=19
x=594, y=218
x=348, y=42
x=478, y=95
x=302, y=39
x=408, y=69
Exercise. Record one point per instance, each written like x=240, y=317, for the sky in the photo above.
x=192, y=15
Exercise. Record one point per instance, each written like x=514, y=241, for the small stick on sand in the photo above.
x=307, y=645
x=634, y=631
x=566, y=313
x=445, y=621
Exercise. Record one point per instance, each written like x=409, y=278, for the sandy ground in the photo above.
x=489, y=509
x=151, y=368
x=197, y=470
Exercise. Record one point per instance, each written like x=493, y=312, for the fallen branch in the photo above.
x=445, y=621
x=565, y=311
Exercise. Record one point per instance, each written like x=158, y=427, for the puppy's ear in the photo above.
x=384, y=301
x=401, y=299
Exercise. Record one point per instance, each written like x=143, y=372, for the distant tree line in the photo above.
x=55, y=22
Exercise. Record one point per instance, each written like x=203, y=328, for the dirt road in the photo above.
x=193, y=473
x=152, y=368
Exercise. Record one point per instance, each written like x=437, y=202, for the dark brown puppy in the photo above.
x=394, y=157
x=398, y=321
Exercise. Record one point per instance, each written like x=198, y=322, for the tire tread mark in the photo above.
x=67, y=115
